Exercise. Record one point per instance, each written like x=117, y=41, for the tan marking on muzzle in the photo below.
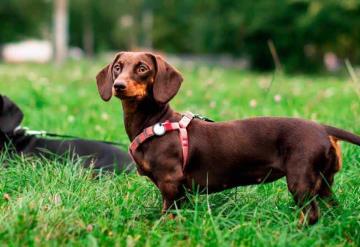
x=136, y=89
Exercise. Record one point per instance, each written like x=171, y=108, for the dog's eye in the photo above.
x=117, y=68
x=142, y=69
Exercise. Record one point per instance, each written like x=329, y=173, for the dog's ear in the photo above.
x=167, y=80
x=10, y=115
x=104, y=83
x=104, y=80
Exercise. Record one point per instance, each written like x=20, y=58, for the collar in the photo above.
x=27, y=131
x=161, y=129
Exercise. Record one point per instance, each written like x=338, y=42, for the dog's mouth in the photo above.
x=120, y=94
x=125, y=96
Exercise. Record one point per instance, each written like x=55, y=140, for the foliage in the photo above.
x=301, y=30
x=20, y=19
x=55, y=203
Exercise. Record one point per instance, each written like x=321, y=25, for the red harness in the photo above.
x=160, y=129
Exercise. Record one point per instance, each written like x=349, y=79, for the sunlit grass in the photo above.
x=52, y=202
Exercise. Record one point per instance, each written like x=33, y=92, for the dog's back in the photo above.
x=95, y=154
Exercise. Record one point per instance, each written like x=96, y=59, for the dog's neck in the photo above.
x=140, y=115
x=18, y=140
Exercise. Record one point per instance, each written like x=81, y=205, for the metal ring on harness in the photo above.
x=159, y=129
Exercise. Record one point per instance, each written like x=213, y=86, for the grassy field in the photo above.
x=50, y=203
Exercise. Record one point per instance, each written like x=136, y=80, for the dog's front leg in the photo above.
x=171, y=193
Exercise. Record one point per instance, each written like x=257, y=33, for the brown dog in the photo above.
x=221, y=155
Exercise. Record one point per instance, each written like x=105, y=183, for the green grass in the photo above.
x=53, y=202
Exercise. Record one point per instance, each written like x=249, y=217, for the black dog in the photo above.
x=95, y=154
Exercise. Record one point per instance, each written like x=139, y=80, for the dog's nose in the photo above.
x=120, y=86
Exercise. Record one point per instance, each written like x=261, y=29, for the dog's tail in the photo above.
x=342, y=135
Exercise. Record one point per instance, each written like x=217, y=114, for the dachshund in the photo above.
x=219, y=155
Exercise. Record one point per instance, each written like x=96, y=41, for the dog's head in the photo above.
x=10, y=115
x=138, y=75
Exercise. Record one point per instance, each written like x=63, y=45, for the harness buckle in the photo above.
x=159, y=129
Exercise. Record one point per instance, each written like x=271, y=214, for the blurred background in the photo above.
x=239, y=59
x=293, y=35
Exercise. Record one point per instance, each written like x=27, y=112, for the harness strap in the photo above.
x=160, y=129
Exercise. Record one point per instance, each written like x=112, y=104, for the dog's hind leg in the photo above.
x=328, y=172
x=303, y=183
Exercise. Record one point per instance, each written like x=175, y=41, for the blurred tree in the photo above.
x=302, y=31
x=21, y=19
x=60, y=30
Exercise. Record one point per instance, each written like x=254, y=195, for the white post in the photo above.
x=60, y=30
